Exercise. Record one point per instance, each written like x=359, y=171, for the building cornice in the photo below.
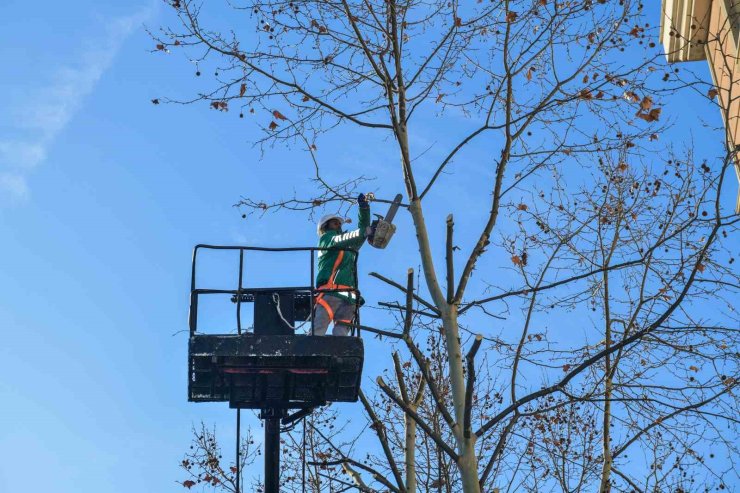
x=684, y=29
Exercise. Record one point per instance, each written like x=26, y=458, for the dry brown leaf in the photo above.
x=631, y=96
x=273, y=125
x=652, y=116
x=646, y=103
x=278, y=115
x=516, y=260
x=511, y=16
x=242, y=90
x=712, y=93
x=586, y=94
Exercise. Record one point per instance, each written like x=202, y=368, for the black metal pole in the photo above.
x=238, y=449
x=272, y=452
x=313, y=292
x=303, y=458
x=239, y=294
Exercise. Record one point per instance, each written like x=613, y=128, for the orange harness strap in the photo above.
x=335, y=268
x=321, y=301
x=332, y=286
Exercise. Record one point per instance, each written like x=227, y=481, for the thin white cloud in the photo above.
x=37, y=124
x=24, y=153
x=14, y=185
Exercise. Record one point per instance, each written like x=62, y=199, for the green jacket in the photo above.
x=337, y=267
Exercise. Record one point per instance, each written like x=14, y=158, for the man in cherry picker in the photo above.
x=337, y=277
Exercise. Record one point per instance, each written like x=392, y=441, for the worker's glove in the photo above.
x=362, y=201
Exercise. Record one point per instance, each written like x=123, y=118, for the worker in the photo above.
x=338, y=299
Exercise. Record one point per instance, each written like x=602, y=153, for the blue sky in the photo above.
x=102, y=197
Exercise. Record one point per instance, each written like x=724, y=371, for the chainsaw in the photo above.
x=382, y=229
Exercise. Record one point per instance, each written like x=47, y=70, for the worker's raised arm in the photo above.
x=356, y=237
x=363, y=215
x=350, y=239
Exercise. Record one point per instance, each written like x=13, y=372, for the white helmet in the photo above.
x=325, y=219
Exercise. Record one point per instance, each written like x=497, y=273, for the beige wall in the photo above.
x=697, y=29
x=722, y=55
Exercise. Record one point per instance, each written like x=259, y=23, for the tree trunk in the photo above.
x=410, y=454
x=606, y=467
x=468, y=461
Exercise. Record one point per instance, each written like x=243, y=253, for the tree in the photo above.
x=204, y=465
x=563, y=100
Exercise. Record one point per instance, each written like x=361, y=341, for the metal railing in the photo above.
x=240, y=291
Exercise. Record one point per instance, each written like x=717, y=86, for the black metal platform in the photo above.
x=259, y=371
x=269, y=366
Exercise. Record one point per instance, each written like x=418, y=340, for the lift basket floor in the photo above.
x=284, y=371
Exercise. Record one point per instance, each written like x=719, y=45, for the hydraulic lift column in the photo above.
x=272, y=449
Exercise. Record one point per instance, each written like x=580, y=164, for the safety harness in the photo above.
x=331, y=286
